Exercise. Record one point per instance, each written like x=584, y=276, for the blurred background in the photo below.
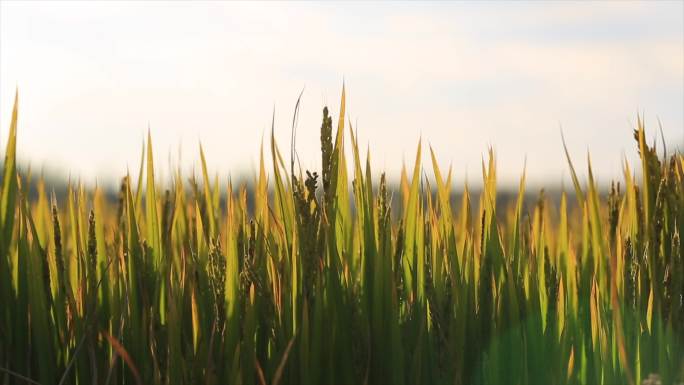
x=93, y=77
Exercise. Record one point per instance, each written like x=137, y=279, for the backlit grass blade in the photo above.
x=412, y=223
x=7, y=211
x=342, y=219
x=141, y=172
x=39, y=296
x=9, y=180
x=208, y=201
x=151, y=216
x=575, y=181
x=261, y=203
x=135, y=337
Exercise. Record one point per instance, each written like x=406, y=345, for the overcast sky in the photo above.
x=463, y=76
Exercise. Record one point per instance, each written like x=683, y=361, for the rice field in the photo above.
x=318, y=280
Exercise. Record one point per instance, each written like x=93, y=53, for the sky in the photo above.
x=463, y=77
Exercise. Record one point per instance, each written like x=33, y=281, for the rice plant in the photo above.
x=321, y=281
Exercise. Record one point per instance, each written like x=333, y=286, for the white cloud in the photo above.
x=463, y=76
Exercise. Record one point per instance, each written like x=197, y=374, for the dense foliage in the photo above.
x=313, y=284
